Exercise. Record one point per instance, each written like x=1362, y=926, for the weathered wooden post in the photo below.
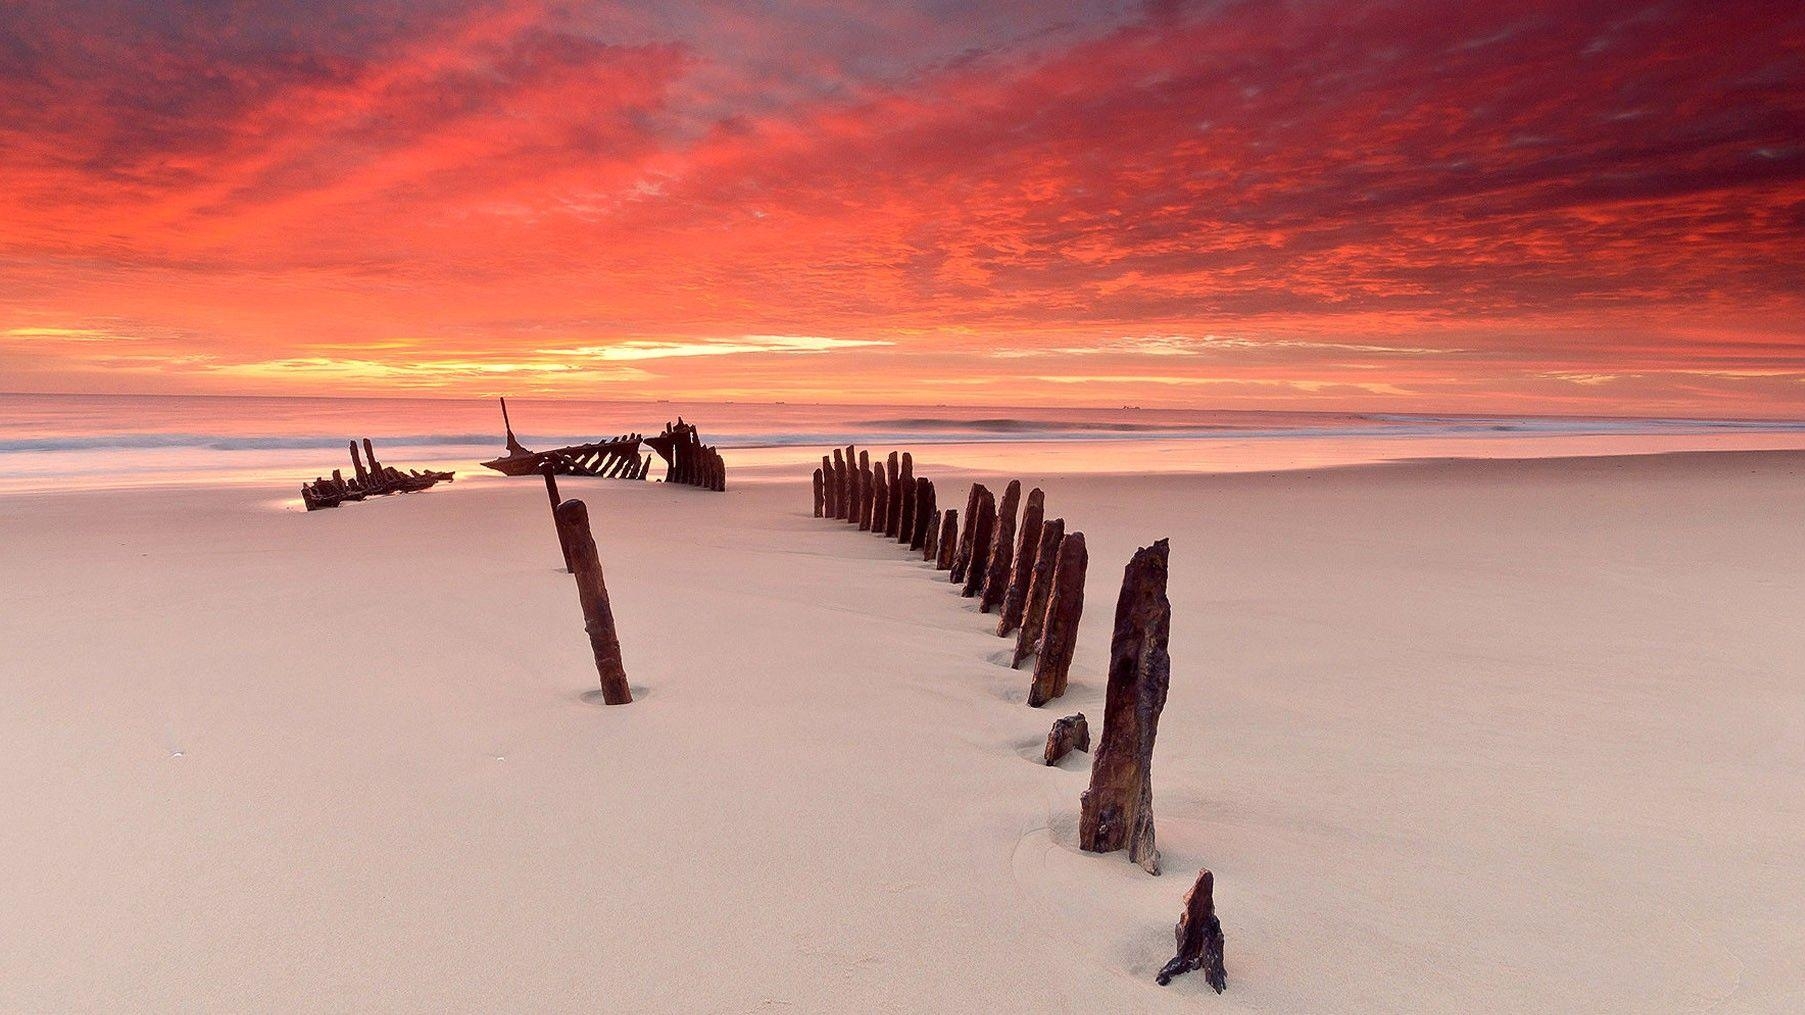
x=868, y=502
x=818, y=493
x=357, y=466
x=862, y=482
x=1002, y=551
x=550, y=472
x=948, y=542
x=924, y=512
x=598, y=616
x=893, y=516
x=1117, y=811
x=1199, y=936
x=1015, y=595
x=905, y=529
x=839, y=486
x=827, y=487
x=370, y=456
x=846, y=491
x=962, y=553
x=983, y=526
x=1059, y=634
x=858, y=496
x=1040, y=589
x=929, y=545
x=880, y=498
x=1068, y=734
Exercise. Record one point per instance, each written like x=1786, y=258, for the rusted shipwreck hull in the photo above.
x=375, y=481
x=686, y=459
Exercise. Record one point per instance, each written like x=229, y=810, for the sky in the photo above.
x=1484, y=206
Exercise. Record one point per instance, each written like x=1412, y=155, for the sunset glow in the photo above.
x=1563, y=207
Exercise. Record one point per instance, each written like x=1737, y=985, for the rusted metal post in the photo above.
x=592, y=593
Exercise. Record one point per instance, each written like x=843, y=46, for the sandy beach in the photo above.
x=1452, y=735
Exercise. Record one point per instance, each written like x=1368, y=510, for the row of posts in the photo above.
x=1031, y=573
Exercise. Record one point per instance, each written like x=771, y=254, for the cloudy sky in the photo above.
x=1482, y=206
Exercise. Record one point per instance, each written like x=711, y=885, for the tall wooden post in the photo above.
x=931, y=544
x=839, y=495
x=983, y=526
x=1117, y=811
x=962, y=553
x=827, y=473
x=846, y=492
x=947, y=543
x=879, y=499
x=905, y=529
x=818, y=493
x=1002, y=551
x=592, y=593
x=550, y=472
x=893, y=517
x=370, y=456
x=924, y=512
x=1015, y=595
x=1059, y=636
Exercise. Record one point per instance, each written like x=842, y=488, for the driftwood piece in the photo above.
x=924, y=512
x=1199, y=936
x=962, y=552
x=983, y=526
x=905, y=527
x=1068, y=734
x=1002, y=550
x=893, y=482
x=818, y=493
x=947, y=543
x=592, y=593
x=1117, y=810
x=551, y=493
x=1027, y=548
x=1059, y=633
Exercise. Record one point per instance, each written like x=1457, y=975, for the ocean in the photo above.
x=52, y=442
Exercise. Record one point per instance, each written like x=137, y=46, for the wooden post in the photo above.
x=924, y=512
x=827, y=481
x=370, y=456
x=932, y=543
x=1117, y=811
x=863, y=482
x=948, y=542
x=840, y=486
x=905, y=529
x=893, y=517
x=846, y=492
x=1040, y=588
x=962, y=553
x=550, y=472
x=1015, y=595
x=880, y=498
x=818, y=493
x=357, y=466
x=1059, y=633
x=983, y=526
x=1002, y=551
x=857, y=477
x=1069, y=734
x=598, y=616
x=1199, y=936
